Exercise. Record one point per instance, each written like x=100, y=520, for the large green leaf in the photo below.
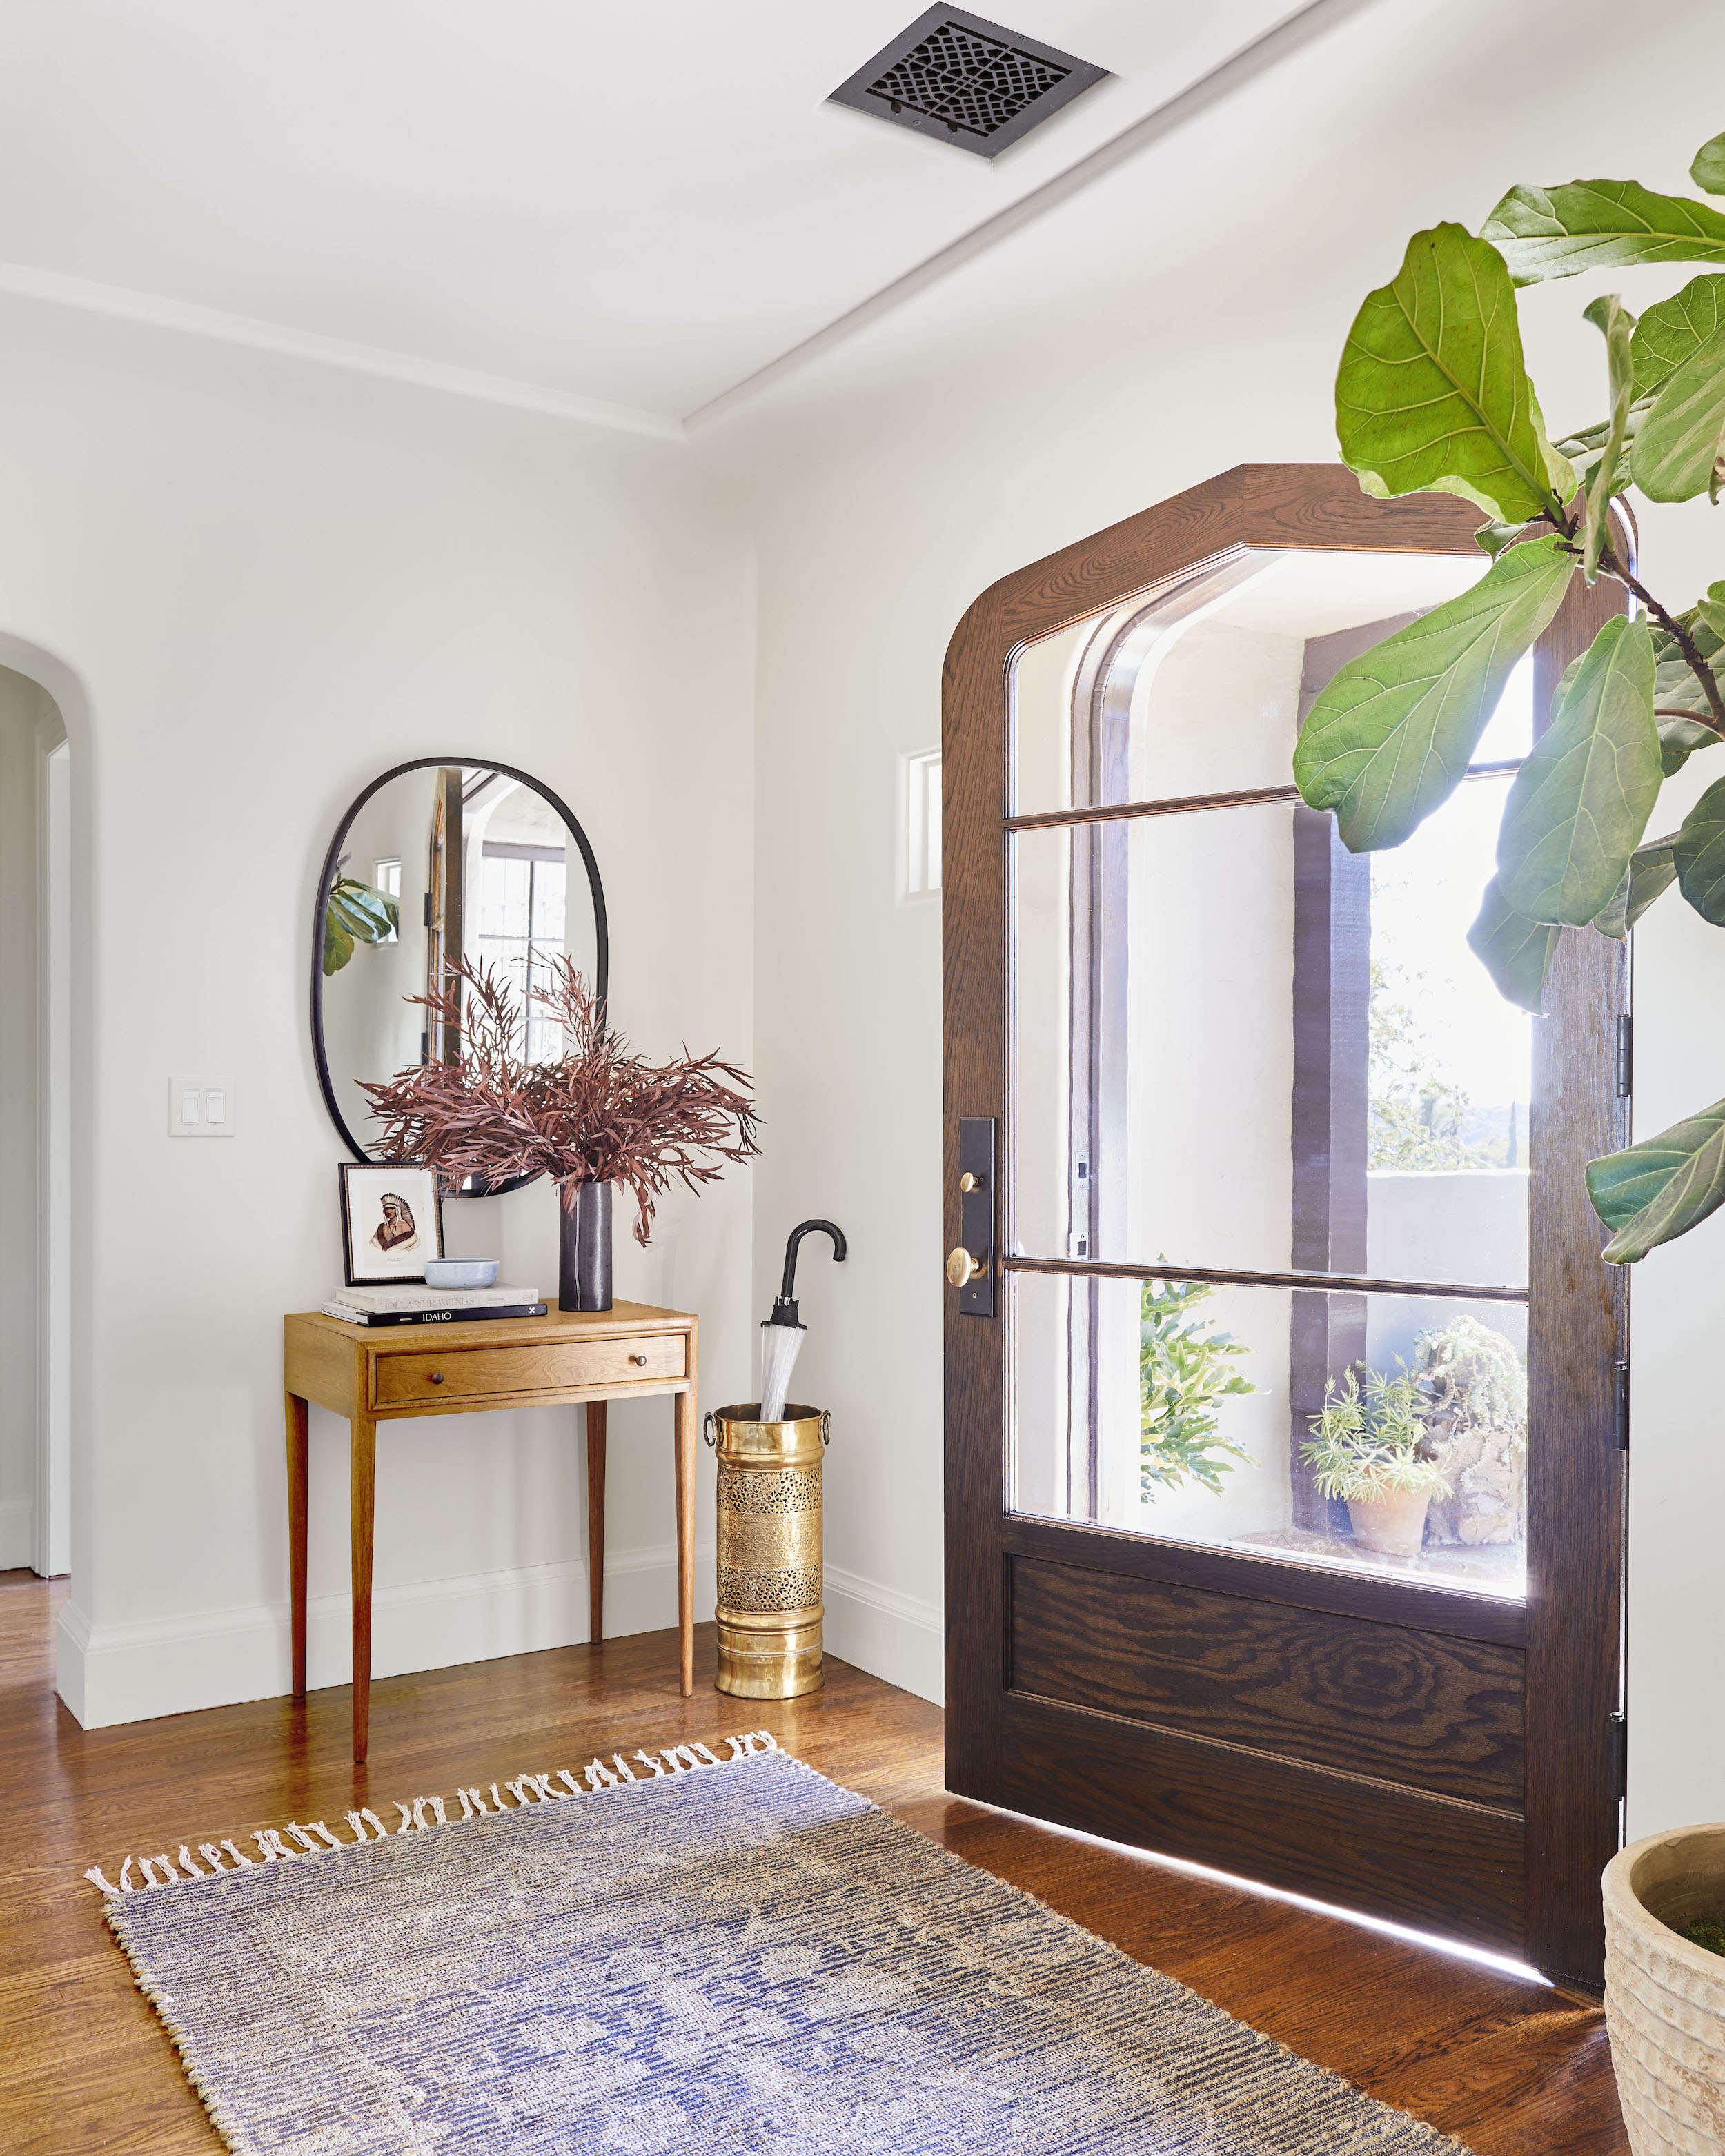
x=1699, y=853
x=1517, y=953
x=1651, y=871
x=1708, y=170
x=337, y=943
x=1596, y=224
x=1678, y=444
x=1616, y=325
x=1581, y=800
x=1653, y=1192
x=1671, y=330
x=1676, y=689
x=1388, y=740
x=1433, y=392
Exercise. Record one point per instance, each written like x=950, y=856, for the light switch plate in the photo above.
x=202, y=1108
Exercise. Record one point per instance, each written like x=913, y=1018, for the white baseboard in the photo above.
x=137, y=1671
x=896, y=1637
x=18, y=1534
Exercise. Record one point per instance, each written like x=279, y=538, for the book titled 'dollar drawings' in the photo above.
x=431, y=1306
x=370, y=1318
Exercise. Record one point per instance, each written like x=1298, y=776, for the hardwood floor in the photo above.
x=1512, y=2069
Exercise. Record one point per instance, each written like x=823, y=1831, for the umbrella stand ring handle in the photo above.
x=826, y=1427
x=708, y=1431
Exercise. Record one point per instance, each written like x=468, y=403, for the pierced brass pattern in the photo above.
x=751, y=1542
x=781, y=1489
x=796, y=1588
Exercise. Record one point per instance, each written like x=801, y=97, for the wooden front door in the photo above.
x=1230, y=1117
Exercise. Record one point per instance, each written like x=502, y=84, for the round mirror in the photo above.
x=439, y=862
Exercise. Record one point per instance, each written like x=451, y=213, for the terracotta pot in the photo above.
x=1395, y=1523
x=1665, y=1998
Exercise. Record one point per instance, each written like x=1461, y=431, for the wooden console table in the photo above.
x=384, y=1374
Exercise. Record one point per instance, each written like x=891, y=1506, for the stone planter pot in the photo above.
x=1665, y=1998
x=1394, y=1524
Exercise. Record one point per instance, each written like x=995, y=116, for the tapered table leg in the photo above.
x=685, y=1444
x=298, y=1453
x=596, y=1519
x=362, y=1460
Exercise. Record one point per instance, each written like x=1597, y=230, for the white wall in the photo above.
x=265, y=582
x=1180, y=316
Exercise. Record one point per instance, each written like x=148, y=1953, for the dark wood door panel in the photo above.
x=1346, y=1693
x=1417, y=1603
x=1457, y=1870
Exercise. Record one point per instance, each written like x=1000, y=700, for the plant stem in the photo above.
x=1611, y=567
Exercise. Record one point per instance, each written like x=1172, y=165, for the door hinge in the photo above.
x=1625, y=1054
x=1620, y=1411
x=1619, y=1758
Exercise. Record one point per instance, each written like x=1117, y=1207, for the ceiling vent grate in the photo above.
x=967, y=81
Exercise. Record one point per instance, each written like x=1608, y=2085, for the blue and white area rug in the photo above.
x=678, y=1953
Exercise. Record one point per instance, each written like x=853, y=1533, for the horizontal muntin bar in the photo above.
x=1182, y=804
x=1327, y=1283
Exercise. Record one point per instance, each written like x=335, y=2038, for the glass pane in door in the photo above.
x=1201, y=688
x=1373, y=1432
x=1236, y=1046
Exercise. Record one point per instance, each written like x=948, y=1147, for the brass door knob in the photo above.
x=437, y=1376
x=961, y=1266
x=968, y=1181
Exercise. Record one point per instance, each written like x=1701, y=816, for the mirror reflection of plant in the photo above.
x=1184, y=1368
x=1366, y=1446
x=354, y=914
x=599, y=1114
x=1432, y=395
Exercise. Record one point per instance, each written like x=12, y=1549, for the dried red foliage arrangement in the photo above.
x=598, y=1115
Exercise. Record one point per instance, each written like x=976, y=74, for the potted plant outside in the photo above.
x=1369, y=1448
x=1185, y=1368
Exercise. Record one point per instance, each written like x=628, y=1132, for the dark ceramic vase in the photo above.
x=584, y=1249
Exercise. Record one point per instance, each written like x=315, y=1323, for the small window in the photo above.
x=387, y=878
x=920, y=809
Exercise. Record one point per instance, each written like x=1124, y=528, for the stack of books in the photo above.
x=430, y=1306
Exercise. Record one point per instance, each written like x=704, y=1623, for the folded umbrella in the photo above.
x=783, y=1333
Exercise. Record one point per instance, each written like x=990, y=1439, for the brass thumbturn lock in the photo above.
x=961, y=1267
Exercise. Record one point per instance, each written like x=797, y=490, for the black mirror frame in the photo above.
x=602, y=936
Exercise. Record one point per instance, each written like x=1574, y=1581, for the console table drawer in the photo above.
x=455, y=1372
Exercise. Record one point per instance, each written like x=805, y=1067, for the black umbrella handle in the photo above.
x=788, y=1287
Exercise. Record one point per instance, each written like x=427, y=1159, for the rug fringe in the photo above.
x=425, y=1813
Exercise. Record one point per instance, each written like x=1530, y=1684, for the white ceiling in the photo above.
x=643, y=204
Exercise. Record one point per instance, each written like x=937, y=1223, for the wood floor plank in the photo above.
x=1510, y=2067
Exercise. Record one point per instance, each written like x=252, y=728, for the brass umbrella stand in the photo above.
x=770, y=1455
x=770, y=1608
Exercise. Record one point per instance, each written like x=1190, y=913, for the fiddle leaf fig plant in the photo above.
x=1432, y=395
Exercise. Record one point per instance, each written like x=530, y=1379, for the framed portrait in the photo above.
x=391, y=1224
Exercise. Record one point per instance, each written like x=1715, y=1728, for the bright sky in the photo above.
x=1424, y=897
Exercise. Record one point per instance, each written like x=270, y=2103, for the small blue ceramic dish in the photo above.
x=461, y=1272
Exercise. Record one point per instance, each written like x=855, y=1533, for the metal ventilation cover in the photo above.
x=967, y=81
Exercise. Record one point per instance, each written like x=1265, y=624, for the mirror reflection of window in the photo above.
x=518, y=865
x=386, y=876
x=520, y=931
